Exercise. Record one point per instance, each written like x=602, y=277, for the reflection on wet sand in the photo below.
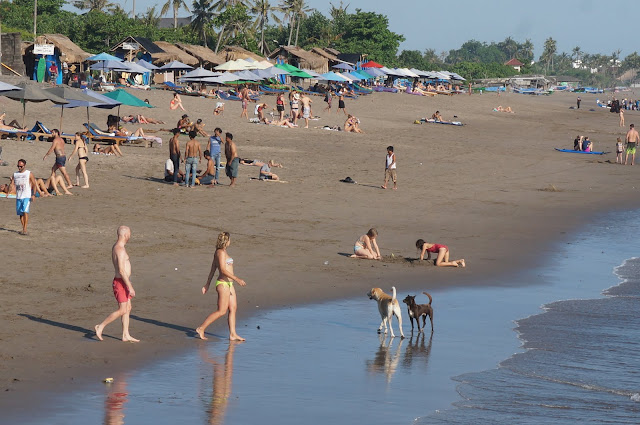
x=117, y=396
x=222, y=380
x=387, y=358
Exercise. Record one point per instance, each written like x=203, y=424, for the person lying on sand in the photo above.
x=49, y=187
x=107, y=150
x=285, y=123
x=258, y=163
x=141, y=119
x=441, y=250
x=8, y=189
x=501, y=109
x=366, y=246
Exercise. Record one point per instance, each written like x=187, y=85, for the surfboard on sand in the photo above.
x=42, y=68
x=572, y=151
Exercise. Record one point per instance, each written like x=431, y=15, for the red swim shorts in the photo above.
x=120, y=290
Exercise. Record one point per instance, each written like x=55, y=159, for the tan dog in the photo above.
x=388, y=307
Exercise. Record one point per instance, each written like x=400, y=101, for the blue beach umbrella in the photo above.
x=103, y=57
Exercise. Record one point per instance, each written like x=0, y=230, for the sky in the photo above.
x=593, y=25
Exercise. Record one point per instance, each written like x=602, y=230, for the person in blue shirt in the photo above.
x=215, y=143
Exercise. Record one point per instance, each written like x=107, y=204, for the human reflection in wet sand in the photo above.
x=386, y=358
x=417, y=350
x=222, y=379
x=117, y=396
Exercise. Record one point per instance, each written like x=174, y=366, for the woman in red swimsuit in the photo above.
x=441, y=250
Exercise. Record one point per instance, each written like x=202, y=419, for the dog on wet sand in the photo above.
x=419, y=310
x=388, y=307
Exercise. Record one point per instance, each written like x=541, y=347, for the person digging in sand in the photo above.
x=227, y=301
x=366, y=246
x=122, y=287
x=443, y=254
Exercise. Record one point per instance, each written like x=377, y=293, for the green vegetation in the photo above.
x=262, y=26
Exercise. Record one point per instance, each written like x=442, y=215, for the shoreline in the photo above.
x=499, y=218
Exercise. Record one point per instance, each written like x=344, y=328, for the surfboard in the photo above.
x=572, y=151
x=42, y=68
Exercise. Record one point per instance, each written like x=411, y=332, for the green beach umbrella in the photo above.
x=126, y=99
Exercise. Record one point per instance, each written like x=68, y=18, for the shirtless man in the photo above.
x=230, y=151
x=306, y=109
x=632, y=143
x=244, y=96
x=122, y=288
x=174, y=153
x=192, y=154
x=209, y=175
x=57, y=146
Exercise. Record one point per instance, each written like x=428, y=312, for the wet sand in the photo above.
x=482, y=189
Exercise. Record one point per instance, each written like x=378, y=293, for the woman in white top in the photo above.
x=227, y=301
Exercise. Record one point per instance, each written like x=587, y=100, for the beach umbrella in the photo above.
x=199, y=73
x=69, y=94
x=175, y=66
x=300, y=74
x=234, y=65
x=135, y=68
x=7, y=87
x=98, y=101
x=311, y=72
x=247, y=75
x=363, y=74
x=31, y=93
x=371, y=64
x=332, y=76
x=263, y=73
x=374, y=72
x=344, y=66
x=108, y=65
x=151, y=67
x=103, y=57
x=126, y=99
x=221, y=79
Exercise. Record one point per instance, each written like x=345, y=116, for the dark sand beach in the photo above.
x=495, y=191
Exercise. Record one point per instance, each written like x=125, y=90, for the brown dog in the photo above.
x=388, y=307
x=419, y=310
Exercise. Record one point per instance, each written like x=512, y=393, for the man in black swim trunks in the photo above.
x=57, y=146
x=230, y=151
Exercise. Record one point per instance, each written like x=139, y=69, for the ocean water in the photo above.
x=496, y=356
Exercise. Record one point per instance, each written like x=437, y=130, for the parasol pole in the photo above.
x=24, y=107
x=61, y=113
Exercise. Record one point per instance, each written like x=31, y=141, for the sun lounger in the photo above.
x=98, y=135
x=270, y=90
x=18, y=134
x=41, y=132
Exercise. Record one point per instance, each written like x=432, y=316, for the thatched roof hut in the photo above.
x=178, y=54
x=69, y=51
x=329, y=55
x=205, y=55
x=301, y=58
x=237, y=52
x=144, y=48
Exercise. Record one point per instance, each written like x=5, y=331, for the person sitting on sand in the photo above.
x=184, y=124
x=169, y=170
x=260, y=111
x=367, y=247
x=351, y=125
x=198, y=127
x=266, y=174
x=176, y=102
x=443, y=254
x=209, y=175
x=577, y=143
x=219, y=108
x=587, y=145
x=107, y=150
x=436, y=116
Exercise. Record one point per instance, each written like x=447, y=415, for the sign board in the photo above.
x=43, y=49
x=130, y=46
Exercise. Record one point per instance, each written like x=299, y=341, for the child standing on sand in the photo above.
x=390, y=168
x=619, y=150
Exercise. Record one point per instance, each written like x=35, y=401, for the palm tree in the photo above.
x=98, y=5
x=264, y=12
x=549, y=52
x=219, y=7
x=295, y=11
x=150, y=18
x=526, y=51
x=202, y=18
x=175, y=6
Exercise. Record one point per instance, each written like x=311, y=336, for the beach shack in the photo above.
x=176, y=54
x=231, y=53
x=131, y=48
x=53, y=49
x=207, y=58
x=331, y=55
x=300, y=58
x=515, y=64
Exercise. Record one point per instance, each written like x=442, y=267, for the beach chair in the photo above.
x=41, y=132
x=102, y=136
x=16, y=134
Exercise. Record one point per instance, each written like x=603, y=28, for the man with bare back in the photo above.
x=230, y=151
x=632, y=140
x=57, y=147
x=122, y=288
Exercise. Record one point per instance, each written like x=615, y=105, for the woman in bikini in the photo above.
x=441, y=250
x=227, y=301
x=176, y=102
x=367, y=247
x=81, y=148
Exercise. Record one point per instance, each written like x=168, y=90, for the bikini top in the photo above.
x=229, y=261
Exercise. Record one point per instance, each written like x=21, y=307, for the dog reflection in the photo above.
x=114, y=403
x=417, y=350
x=222, y=379
x=386, y=358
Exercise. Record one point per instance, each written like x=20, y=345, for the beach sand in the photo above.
x=495, y=191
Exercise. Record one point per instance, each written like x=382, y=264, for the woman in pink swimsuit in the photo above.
x=441, y=250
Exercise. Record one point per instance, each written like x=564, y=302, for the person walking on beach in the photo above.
x=341, y=104
x=192, y=154
x=25, y=184
x=227, y=300
x=233, y=161
x=443, y=254
x=83, y=158
x=214, y=150
x=57, y=146
x=578, y=100
x=328, y=97
x=621, y=113
x=619, y=150
x=122, y=287
x=244, y=96
x=632, y=140
x=174, y=154
x=390, y=168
